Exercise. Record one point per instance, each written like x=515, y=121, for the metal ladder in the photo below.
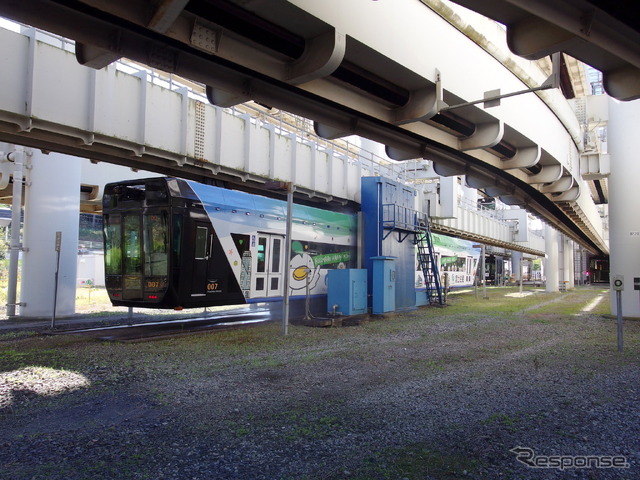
x=427, y=259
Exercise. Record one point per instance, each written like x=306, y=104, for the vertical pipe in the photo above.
x=619, y=317
x=287, y=259
x=55, y=282
x=484, y=275
x=520, y=272
x=15, y=246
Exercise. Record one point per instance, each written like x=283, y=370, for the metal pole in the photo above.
x=17, y=158
x=520, y=267
x=619, y=311
x=446, y=286
x=307, y=304
x=55, y=283
x=484, y=275
x=287, y=259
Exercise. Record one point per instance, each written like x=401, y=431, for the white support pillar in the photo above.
x=561, y=259
x=624, y=221
x=551, y=262
x=52, y=204
x=570, y=265
x=567, y=262
x=516, y=259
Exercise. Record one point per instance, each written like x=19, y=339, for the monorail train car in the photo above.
x=456, y=258
x=173, y=243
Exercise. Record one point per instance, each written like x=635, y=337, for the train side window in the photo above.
x=275, y=256
x=241, y=242
x=201, y=242
x=132, y=260
x=113, y=243
x=262, y=250
x=155, y=244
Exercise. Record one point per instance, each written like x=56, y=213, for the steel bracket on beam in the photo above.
x=513, y=200
x=561, y=185
x=422, y=105
x=479, y=180
x=497, y=190
x=224, y=99
x=322, y=56
x=331, y=132
x=548, y=174
x=448, y=168
x=622, y=83
x=95, y=57
x=487, y=135
x=525, y=157
x=400, y=154
x=570, y=195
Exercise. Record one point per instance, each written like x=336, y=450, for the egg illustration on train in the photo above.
x=303, y=270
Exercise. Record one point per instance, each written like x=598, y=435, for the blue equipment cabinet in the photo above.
x=347, y=288
x=389, y=231
x=384, y=284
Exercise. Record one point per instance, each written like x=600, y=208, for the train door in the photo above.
x=268, y=266
x=202, y=251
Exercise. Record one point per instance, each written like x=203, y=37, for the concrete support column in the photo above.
x=570, y=265
x=551, y=261
x=516, y=258
x=567, y=262
x=52, y=204
x=624, y=221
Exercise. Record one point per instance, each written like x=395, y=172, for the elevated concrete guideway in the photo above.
x=244, y=145
x=392, y=79
x=601, y=33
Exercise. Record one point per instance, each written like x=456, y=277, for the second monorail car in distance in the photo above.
x=456, y=258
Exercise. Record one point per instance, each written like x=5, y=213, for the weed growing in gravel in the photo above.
x=17, y=334
x=305, y=426
x=240, y=429
x=416, y=461
x=503, y=420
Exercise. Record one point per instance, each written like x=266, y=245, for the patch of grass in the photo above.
x=416, y=461
x=426, y=366
x=17, y=335
x=240, y=429
x=501, y=419
x=306, y=424
x=571, y=303
x=500, y=301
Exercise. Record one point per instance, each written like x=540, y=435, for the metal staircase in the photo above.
x=406, y=221
x=428, y=264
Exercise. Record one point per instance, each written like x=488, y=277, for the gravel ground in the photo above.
x=431, y=394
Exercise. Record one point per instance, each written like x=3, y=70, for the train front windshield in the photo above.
x=136, y=235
